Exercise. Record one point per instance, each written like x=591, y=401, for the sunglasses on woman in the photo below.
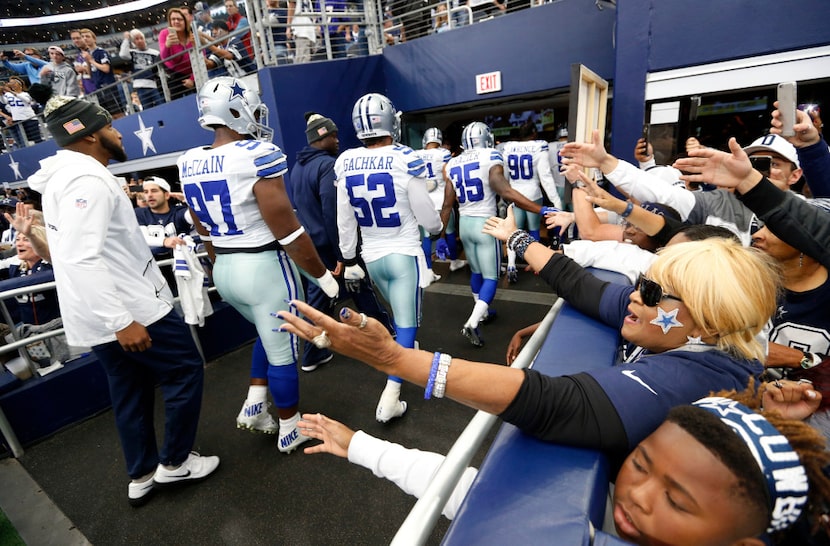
x=651, y=293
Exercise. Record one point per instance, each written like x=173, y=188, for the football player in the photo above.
x=528, y=169
x=476, y=176
x=236, y=191
x=382, y=191
x=435, y=160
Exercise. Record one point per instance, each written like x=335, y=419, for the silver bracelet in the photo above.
x=441, y=377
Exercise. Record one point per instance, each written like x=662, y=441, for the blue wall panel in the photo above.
x=686, y=33
x=534, y=50
x=329, y=88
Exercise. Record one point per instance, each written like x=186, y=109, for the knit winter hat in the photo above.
x=69, y=119
x=318, y=127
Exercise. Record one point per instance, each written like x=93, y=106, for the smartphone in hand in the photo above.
x=786, y=107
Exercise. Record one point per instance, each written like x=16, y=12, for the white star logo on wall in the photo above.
x=15, y=167
x=145, y=134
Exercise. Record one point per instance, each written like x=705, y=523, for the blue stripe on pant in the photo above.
x=172, y=363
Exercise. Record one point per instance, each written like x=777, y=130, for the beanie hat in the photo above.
x=70, y=119
x=318, y=127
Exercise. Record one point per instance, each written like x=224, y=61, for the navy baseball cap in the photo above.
x=10, y=202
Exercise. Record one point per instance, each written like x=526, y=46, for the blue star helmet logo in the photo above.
x=237, y=90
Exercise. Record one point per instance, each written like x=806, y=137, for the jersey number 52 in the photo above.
x=373, y=210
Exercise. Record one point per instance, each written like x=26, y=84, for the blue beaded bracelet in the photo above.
x=436, y=359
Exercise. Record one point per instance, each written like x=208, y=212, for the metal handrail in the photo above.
x=418, y=525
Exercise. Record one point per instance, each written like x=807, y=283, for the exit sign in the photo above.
x=488, y=83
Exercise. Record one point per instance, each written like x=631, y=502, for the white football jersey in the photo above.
x=527, y=167
x=383, y=191
x=218, y=184
x=470, y=175
x=555, y=161
x=435, y=159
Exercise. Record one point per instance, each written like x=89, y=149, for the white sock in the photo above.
x=511, y=259
x=288, y=424
x=392, y=387
x=257, y=393
x=479, y=312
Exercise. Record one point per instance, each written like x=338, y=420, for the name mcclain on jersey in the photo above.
x=210, y=165
x=373, y=163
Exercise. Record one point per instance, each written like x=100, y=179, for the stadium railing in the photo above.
x=528, y=491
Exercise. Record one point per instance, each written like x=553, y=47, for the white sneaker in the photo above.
x=455, y=265
x=433, y=277
x=290, y=439
x=196, y=467
x=255, y=417
x=139, y=493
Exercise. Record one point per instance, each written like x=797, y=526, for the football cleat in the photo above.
x=473, y=335
x=455, y=265
x=255, y=417
x=290, y=439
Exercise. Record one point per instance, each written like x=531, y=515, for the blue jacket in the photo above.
x=29, y=68
x=314, y=195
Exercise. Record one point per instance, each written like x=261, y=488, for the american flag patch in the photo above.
x=74, y=126
x=322, y=131
x=80, y=203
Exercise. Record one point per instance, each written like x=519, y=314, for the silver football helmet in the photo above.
x=476, y=135
x=229, y=102
x=433, y=134
x=374, y=116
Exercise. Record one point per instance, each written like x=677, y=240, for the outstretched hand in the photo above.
x=728, y=170
x=501, y=228
x=587, y=154
x=22, y=219
x=335, y=436
x=371, y=344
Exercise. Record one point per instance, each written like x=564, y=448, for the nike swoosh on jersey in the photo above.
x=631, y=375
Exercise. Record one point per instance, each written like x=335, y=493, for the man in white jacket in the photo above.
x=114, y=299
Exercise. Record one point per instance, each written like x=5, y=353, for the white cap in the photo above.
x=158, y=181
x=775, y=144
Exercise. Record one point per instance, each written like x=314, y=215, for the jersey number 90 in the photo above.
x=520, y=166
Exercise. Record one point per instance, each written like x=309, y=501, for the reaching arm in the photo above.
x=501, y=186
x=276, y=210
x=628, y=178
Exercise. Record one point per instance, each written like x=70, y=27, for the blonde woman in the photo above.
x=694, y=314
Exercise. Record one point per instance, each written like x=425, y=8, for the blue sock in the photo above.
x=452, y=245
x=406, y=337
x=259, y=361
x=488, y=290
x=284, y=383
x=476, y=281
